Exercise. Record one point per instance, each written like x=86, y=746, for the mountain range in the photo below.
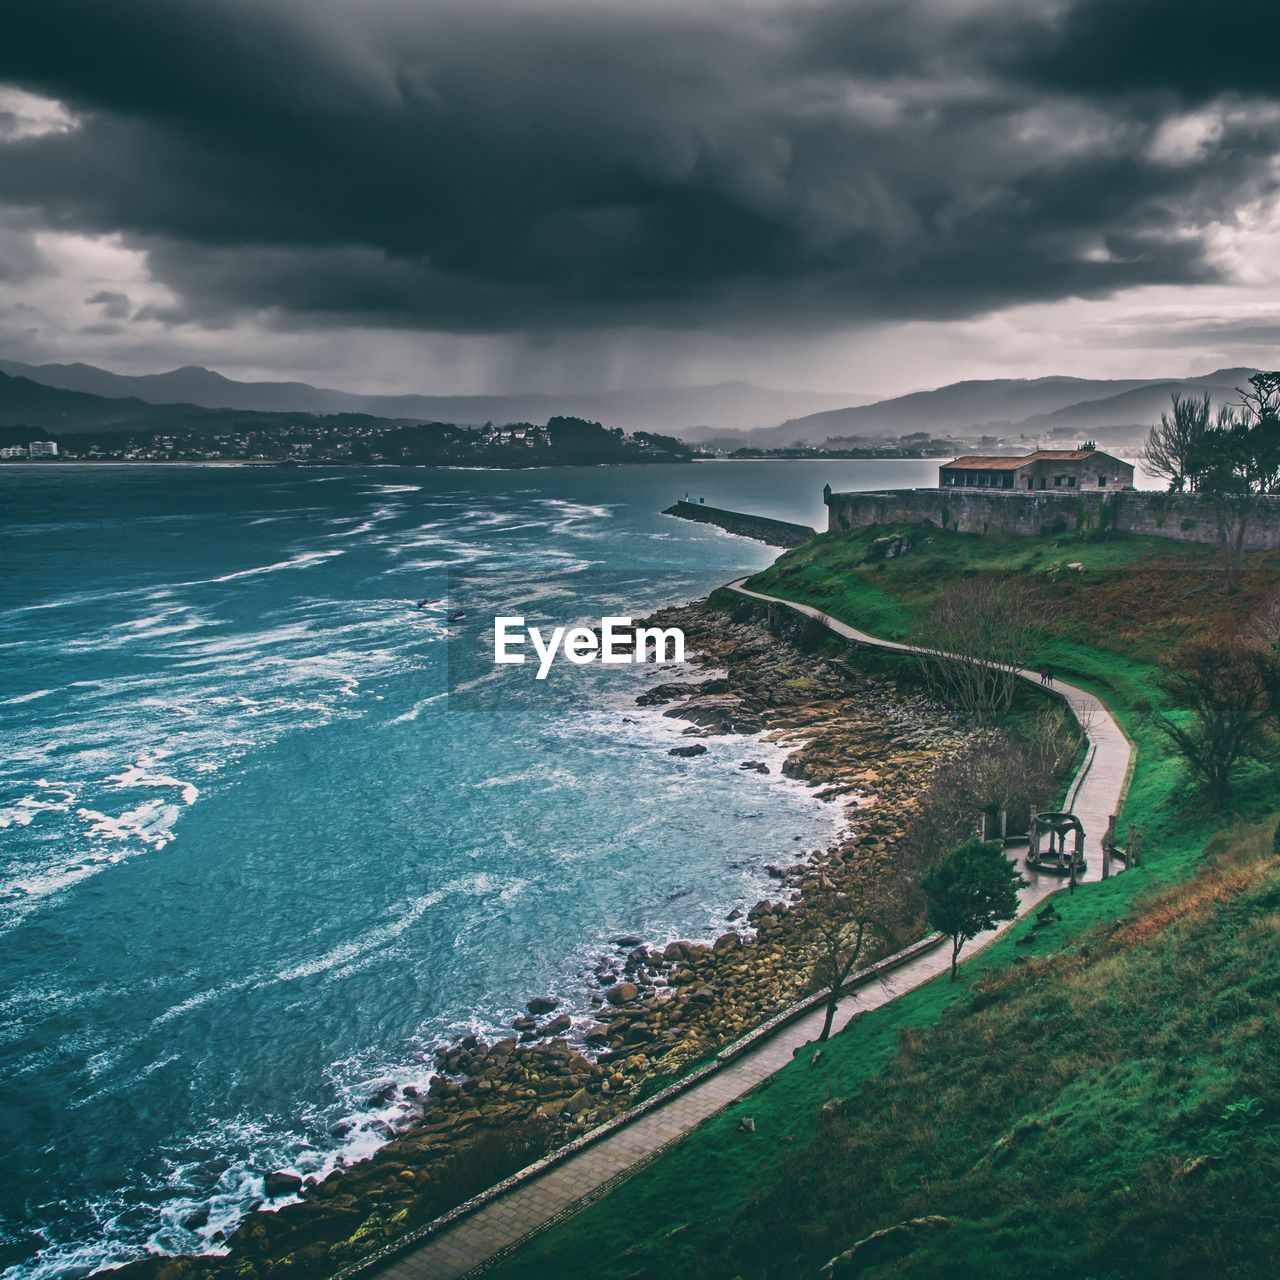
x=1115, y=411
x=722, y=406
x=79, y=397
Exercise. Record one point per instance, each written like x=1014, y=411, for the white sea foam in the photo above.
x=375, y=940
x=380, y=937
x=417, y=709
x=139, y=775
x=304, y=560
x=200, y=998
x=25, y=697
x=24, y=811
x=151, y=823
x=365, y=526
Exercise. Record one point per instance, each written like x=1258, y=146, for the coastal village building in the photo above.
x=1084, y=468
x=36, y=449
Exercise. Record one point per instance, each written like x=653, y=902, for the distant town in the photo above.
x=561, y=441
x=358, y=440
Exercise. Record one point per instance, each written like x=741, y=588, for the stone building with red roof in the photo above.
x=1062, y=470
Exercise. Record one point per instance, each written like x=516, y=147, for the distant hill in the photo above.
x=725, y=405
x=1141, y=406
x=1120, y=408
x=24, y=402
x=80, y=397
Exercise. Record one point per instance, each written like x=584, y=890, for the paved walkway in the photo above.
x=473, y=1243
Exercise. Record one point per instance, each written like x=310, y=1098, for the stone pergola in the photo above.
x=1051, y=834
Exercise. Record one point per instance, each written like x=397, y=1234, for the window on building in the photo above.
x=1031, y=484
x=1071, y=482
x=1102, y=482
x=1057, y=482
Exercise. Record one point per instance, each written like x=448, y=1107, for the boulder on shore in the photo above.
x=696, y=749
x=280, y=1183
x=542, y=1004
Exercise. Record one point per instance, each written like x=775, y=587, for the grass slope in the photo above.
x=1055, y=1102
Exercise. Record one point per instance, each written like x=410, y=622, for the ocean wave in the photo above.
x=200, y=998
x=304, y=560
x=375, y=940
x=417, y=709
x=20, y=698
x=166, y=622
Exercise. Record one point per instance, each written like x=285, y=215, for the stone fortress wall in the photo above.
x=1180, y=516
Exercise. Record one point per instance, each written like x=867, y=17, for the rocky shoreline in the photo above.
x=870, y=742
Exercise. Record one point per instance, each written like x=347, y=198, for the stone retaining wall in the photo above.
x=1183, y=517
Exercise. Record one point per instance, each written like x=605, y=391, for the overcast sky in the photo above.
x=468, y=195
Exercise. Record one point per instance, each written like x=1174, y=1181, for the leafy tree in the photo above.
x=665, y=444
x=1226, y=689
x=1234, y=462
x=969, y=891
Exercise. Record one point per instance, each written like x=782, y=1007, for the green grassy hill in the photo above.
x=1096, y=1098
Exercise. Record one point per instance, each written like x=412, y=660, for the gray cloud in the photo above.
x=115, y=305
x=485, y=167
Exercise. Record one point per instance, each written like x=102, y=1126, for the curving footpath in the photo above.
x=474, y=1240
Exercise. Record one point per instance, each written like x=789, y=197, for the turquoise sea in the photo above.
x=268, y=833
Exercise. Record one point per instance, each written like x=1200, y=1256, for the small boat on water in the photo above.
x=426, y=604
x=457, y=615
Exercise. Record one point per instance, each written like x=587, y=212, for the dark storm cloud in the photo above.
x=1194, y=49
x=490, y=165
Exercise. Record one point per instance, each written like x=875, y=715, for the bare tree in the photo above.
x=1263, y=628
x=1016, y=774
x=839, y=945
x=978, y=635
x=1223, y=689
x=1173, y=443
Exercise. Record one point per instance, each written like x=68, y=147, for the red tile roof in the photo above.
x=978, y=463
